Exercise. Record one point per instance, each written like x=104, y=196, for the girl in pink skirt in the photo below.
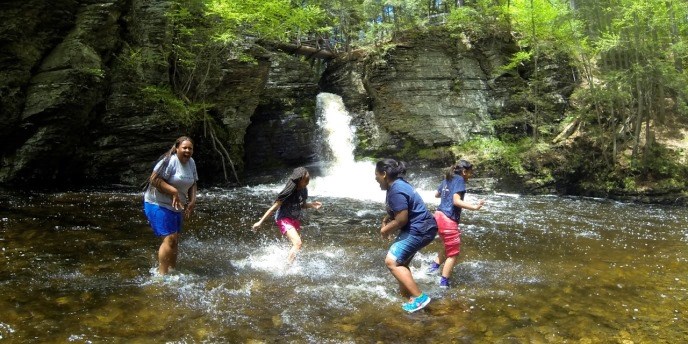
x=451, y=191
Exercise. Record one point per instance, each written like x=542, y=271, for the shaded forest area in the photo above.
x=164, y=67
x=625, y=126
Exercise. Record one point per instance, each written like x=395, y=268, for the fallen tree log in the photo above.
x=304, y=50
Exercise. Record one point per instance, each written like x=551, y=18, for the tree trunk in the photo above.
x=675, y=36
x=536, y=115
x=649, y=135
x=638, y=118
x=640, y=94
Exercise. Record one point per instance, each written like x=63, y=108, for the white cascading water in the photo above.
x=343, y=177
x=335, y=122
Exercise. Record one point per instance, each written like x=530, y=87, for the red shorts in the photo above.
x=287, y=223
x=449, y=232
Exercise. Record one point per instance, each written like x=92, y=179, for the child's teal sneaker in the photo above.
x=417, y=303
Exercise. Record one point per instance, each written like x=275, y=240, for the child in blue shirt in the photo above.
x=451, y=191
x=406, y=212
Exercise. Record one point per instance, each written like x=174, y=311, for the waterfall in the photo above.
x=343, y=175
x=335, y=122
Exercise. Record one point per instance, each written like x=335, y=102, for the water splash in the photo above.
x=173, y=279
x=268, y=258
x=533, y=255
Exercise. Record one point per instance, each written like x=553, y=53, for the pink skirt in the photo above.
x=286, y=223
x=448, y=230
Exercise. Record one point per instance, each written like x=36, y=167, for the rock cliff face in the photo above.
x=432, y=91
x=52, y=79
x=124, y=136
x=74, y=108
x=283, y=128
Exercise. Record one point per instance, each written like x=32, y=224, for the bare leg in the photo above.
x=448, y=266
x=167, y=254
x=295, y=239
x=407, y=285
x=440, y=256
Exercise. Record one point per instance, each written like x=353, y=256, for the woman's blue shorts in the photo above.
x=406, y=245
x=163, y=221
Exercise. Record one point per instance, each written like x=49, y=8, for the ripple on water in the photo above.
x=530, y=267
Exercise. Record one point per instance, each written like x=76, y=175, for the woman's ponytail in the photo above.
x=394, y=169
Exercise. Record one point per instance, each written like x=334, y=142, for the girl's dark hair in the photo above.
x=294, y=178
x=394, y=169
x=166, y=159
x=458, y=168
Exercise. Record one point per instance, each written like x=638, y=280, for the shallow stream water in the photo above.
x=78, y=267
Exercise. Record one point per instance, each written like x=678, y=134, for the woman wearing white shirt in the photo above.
x=171, y=192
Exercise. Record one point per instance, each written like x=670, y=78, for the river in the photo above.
x=78, y=267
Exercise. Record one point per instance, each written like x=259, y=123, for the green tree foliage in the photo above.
x=545, y=33
x=631, y=55
x=267, y=19
x=635, y=74
x=481, y=20
x=345, y=17
x=388, y=18
x=196, y=59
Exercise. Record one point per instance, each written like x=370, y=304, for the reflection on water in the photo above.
x=79, y=267
x=76, y=267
